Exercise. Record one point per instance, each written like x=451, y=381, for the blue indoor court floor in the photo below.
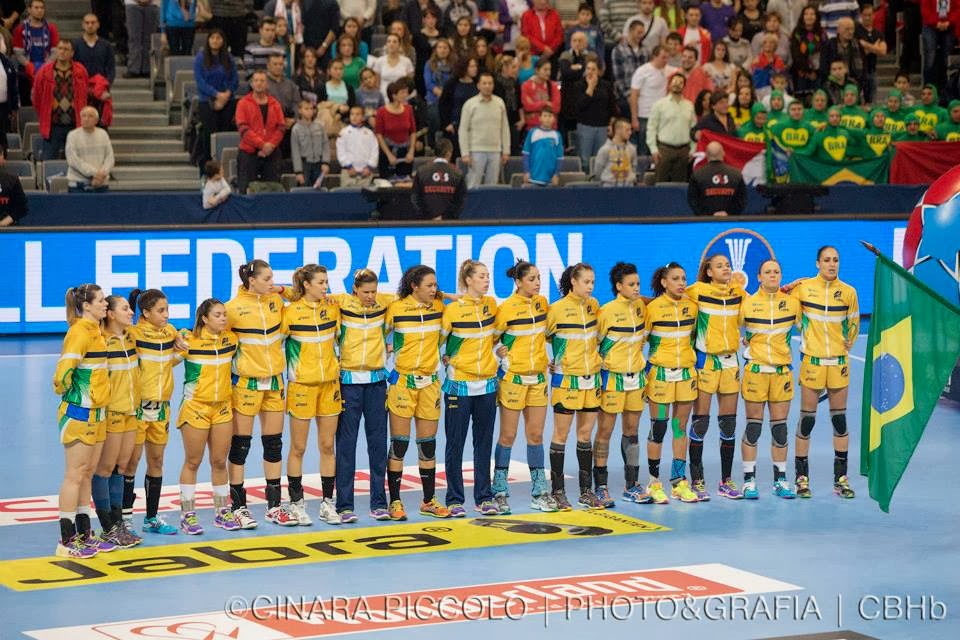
x=718, y=570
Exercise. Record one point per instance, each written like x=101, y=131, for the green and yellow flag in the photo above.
x=912, y=349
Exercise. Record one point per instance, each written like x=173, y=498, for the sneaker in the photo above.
x=432, y=508
x=700, y=489
x=457, y=511
x=225, y=520
x=803, y=487
x=299, y=512
x=397, y=512
x=189, y=524
x=656, y=493
x=544, y=502
x=75, y=550
x=538, y=477
x=380, y=514
x=503, y=507
x=130, y=534
x=728, y=489
x=842, y=488
x=603, y=495
x=681, y=491
x=157, y=525
x=560, y=498
x=245, y=518
x=328, y=512
x=119, y=537
x=589, y=500
x=636, y=494
x=128, y=523
x=94, y=541
x=282, y=516
x=781, y=489
x=750, y=490
x=488, y=508
x=347, y=516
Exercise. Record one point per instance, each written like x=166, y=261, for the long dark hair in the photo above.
x=412, y=277
x=520, y=269
x=571, y=272
x=620, y=271
x=250, y=270
x=702, y=275
x=112, y=302
x=655, y=285
x=141, y=300
x=202, y=311
x=222, y=57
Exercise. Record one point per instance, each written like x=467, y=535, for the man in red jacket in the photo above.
x=542, y=26
x=261, y=126
x=59, y=94
x=940, y=20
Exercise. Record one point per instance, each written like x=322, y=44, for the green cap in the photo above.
x=851, y=88
x=834, y=108
x=759, y=108
x=911, y=117
x=775, y=93
x=953, y=104
x=895, y=93
x=876, y=111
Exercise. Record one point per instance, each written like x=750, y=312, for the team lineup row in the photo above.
x=375, y=358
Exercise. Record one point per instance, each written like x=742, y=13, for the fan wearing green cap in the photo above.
x=776, y=112
x=816, y=113
x=929, y=110
x=874, y=141
x=894, y=113
x=794, y=133
x=831, y=143
x=912, y=132
x=851, y=115
x=755, y=129
x=949, y=131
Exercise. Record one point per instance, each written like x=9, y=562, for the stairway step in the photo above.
x=128, y=118
x=131, y=94
x=169, y=132
x=133, y=146
x=158, y=173
x=130, y=83
x=176, y=158
x=157, y=185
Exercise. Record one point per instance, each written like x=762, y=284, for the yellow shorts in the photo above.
x=712, y=378
x=121, y=422
x=569, y=395
x=815, y=374
x=622, y=392
x=308, y=401
x=516, y=394
x=767, y=386
x=249, y=400
x=405, y=400
x=88, y=426
x=153, y=422
x=203, y=415
x=666, y=386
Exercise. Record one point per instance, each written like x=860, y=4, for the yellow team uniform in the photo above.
x=572, y=329
x=123, y=367
x=621, y=334
x=671, y=327
x=257, y=372
x=768, y=320
x=414, y=383
x=468, y=326
x=363, y=351
x=206, y=379
x=522, y=325
x=158, y=357
x=313, y=371
x=82, y=381
x=718, y=336
x=830, y=317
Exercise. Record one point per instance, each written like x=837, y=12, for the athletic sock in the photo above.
x=100, y=488
x=839, y=465
x=295, y=488
x=129, y=495
x=83, y=520
x=557, y=454
x=67, y=528
x=653, y=467
x=600, y=476
x=630, y=451
x=696, y=459
x=779, y=471
x=238, y=496
x=802, y=465
x=187, y=502
x=393, y=484
x=153, y=485
x=115, y=489
x=272, y=492
x=326, y=485
x=749, y=470
x=678, y=471
x=220, y=494
x=585, y=462
x=535, y=456
x=428, y=478
x=726, y=458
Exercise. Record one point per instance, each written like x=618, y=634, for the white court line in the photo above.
x=860, y=358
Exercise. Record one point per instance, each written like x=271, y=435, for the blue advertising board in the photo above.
x=192, y=265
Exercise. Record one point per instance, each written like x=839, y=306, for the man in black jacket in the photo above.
x=439, y=188
x=716, y=189
x=13, y=201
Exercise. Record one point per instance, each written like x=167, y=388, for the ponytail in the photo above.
x=520, y=270
x=467, y=269
x=251, y=270
x=569, y=274
x=620, y=271
x=362, y=277
x=145, y=300
x=412, y=277
x=202, y=312
x=302, y=276
x=112, y=302
x=660, y=274
x=702, y=275
x=76, y=297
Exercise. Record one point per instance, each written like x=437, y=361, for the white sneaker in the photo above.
x=299, y=513
x=544, y=502
x=245, y=518
x=282, y=516
x=328, y=512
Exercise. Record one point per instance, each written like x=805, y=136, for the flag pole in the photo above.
x=871, y=248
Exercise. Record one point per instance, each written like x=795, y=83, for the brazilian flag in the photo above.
x=913, y=347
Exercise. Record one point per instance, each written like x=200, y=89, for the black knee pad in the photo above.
x=778, y=431
x=658, y=429
x=728, y=426
x=698, y=428
x=427, y=449
x=839, y=421
x=239, y=448
x=807, y=420
x=272, y=447
x=751, y=435
x=559, y=408
x=398, y=447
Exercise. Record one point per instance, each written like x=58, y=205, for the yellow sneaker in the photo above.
x=396, y=511
x=434, y=508
x=682, y=492
x=657, y=494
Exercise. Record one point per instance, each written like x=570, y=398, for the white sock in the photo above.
x=187, y=491
x=781, y=466
x=84, y=509
x=750, y=467
x=222, y=490
x=68, y=515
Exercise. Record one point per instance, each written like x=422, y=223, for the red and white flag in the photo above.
x=749, y=157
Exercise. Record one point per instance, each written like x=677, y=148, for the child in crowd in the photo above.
x=309, y=147
x=617, y=158
x=357, y=151
x=216, y=189
x=369, y=95
x=542, y=151
x=586, y=25
x=902, y=84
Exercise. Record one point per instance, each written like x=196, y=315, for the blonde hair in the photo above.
x=76, y=297
x=467, y=269
x=302, y=276
x=362, y=277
